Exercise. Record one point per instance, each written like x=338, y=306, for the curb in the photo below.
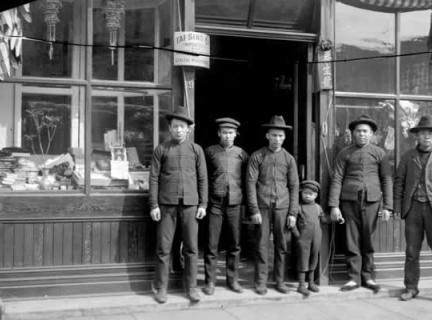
x=111, y=305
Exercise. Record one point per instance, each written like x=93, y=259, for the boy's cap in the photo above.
x=310, y=184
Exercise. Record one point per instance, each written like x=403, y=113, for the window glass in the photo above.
x=43, y=143
x=362, y=34
x=140, y=22
x=37, y=60
x=415, y=69
x=382, y=111
x=123, y=139
x=410, y=113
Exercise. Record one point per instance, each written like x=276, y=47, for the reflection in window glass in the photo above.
x=123, y=136
x=37, y=61
x=415, y=69
x=410, y=113
x=364, y=33
x=382, y=111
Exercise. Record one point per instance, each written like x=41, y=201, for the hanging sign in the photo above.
x=324, y=70
x=194, y=42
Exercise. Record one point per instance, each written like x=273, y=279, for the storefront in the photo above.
x=108, y=81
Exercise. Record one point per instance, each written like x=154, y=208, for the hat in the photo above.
x=363, y=119
x=180, y=113
x=310, y=184
x=227, y=123
x=424, y=123
x=277, y=122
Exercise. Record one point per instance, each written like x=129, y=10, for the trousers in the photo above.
x=165, y=231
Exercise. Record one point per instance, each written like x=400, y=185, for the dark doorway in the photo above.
x=258, y=85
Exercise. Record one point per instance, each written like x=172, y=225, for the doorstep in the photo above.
x=93, y=306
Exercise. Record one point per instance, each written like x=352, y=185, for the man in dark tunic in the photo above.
x=226, y=165
x=178, y=191
x=272, y=186
x=361, y=179
x=413, y=199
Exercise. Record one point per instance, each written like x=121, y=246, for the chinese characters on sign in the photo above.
x=324, y=70
x=194, y=42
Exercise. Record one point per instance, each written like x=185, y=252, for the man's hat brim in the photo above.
x=272, y=126
x=171, y=116
x=417, y=129
x=371, y=123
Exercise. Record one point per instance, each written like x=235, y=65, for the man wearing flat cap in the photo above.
x=413, y=199
x=178, y=192
x=361, y=179
x=226, y=165
x=272, y=187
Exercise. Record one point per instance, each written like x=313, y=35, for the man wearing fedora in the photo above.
x=413, y=199
x=272, y=187
x=178, y=192
x=226, y=165
x=361, y=179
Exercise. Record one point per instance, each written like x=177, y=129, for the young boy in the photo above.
x=308, y=236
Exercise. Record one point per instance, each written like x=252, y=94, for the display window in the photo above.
x=89, y=105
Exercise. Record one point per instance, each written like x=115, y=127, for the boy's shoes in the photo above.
x=209, y=289
x=409, y=294
x=313, y=287
x=350, y=285
x=161, y=296
x=235, y=286
x=303, y=291
x=193, y=295
x=372, y=285
x=282, y=288
x=261, y=289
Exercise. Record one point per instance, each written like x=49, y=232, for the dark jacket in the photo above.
x=226, y=169
x=178, y=171
x=407, y=179
x=272, y=177
x=362, y=168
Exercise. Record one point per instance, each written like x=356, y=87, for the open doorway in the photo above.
x=256, y=84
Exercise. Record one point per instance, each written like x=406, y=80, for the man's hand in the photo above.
x=385, y=215
x=336, y=215
x=155, y=214
x=397, y=215
x=256, y=218
x=291, y=222
x=201, y=213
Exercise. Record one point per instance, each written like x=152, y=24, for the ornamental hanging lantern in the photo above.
x=51, y=9
x=113, y=10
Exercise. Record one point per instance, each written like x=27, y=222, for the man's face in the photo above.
x=363, y=134
x=424, y=138
x=179, y=129
x=227, y=136
x=276, y=137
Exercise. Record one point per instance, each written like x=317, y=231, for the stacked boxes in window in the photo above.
x=7, y=166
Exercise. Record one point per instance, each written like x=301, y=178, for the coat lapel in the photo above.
x=417, y=160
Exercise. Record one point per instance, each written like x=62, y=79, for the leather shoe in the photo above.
x=372, y=286
x=209, y=289
x=235, y=286
x=349, y=286
x=409, y=294
x=261, y=289
x=313, y=287
x=282, y=288
x=193, y=295
x=161, y=296
x=303, y=291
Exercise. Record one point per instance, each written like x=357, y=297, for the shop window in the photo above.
x=43, y=123
x=42, y=143
x=382, y=111
x=123, y=136
x=416, y=72
x=364, y=34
